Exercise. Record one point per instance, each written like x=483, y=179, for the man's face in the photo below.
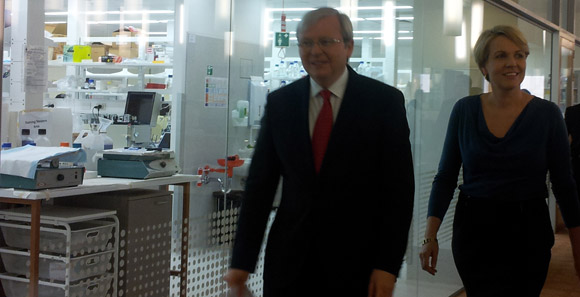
x=323, y=52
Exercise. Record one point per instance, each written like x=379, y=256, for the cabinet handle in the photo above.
x=161, y=202
x=92, y=234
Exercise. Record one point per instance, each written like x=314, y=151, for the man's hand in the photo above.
x=381, y=284
x=236, y=279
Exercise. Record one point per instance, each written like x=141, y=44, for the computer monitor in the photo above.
x=143, y=105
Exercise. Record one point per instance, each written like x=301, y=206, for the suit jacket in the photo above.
x=351, y=217
x=572, y=118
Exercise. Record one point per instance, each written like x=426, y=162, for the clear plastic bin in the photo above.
x=51, y=269
x=92, y=288
x=86, y=237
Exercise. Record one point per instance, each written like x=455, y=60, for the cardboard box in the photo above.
x=123, y=39
x=98, y=50
x=57, y=30
x=56, y=50
x=125, y=52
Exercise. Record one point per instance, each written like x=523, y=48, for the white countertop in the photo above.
x=98, y=185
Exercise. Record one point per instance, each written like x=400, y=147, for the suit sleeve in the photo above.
x=396, y=208
x=261, y=186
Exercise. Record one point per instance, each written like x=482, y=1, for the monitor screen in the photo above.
x=143, y=105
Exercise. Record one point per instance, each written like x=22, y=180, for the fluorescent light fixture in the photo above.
x=404, y=32
x=452, y=17
x=367, y=32
x=374, y=19
x=405, y=18
x=62, y=22
x=339, y=8
x=290, y=9
x=128, y=22
x=405, y=38
x=476, y=21
x=181, y=24
x=124, y=12
x=357, y=19
x=56, y=13
x=460, y=45
x=388, y=32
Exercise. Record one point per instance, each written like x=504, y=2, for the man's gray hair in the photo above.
x=312, y=17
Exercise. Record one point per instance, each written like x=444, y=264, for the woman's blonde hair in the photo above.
x=481, y=49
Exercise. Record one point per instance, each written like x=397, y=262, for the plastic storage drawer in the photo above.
x=90, y=288
x=86, y=237
x=52, y=269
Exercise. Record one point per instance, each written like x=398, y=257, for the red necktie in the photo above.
x=322, y=130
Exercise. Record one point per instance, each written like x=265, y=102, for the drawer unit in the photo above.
x=85, y=237
x=78, y=256
x=98, y=287
x=54, y=268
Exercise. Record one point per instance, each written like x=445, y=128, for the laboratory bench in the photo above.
x=34, y=199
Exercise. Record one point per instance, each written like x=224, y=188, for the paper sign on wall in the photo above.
x=216, y=92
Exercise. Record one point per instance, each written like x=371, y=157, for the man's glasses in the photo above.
x=322, y=43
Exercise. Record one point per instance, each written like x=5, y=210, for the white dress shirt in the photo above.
x=315, y=105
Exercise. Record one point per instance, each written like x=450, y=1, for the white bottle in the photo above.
x=92, y=144
x=282, y=71
x=361, y=67
x=169, y=81
x=276, y=71
x=296, y=70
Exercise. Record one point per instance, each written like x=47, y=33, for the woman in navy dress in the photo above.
x=507, y=142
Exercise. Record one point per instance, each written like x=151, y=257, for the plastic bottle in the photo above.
x=282, y=71
x=368, y=67
x=276, y=71
x=86, y=84
x=361, y=67
x=296, y=69
x=26, y=139
x=42, y=139
x=169, y=81
x=92, y=143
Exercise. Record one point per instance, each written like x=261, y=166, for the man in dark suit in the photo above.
x=572, y=118
x=342, y=225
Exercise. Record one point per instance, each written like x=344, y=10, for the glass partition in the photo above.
x=412, y=45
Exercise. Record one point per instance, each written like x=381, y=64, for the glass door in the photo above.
x=221, y=55
x=565, y=94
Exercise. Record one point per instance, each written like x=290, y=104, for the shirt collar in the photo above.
x=337, y=88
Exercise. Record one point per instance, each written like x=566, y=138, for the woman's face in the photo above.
x=506, y=64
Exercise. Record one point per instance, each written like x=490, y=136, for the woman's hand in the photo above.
x=429, y=253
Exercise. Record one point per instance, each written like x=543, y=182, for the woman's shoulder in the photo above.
x=472, y=102
x=544, y=105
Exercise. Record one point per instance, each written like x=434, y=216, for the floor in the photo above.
x=562, y=280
